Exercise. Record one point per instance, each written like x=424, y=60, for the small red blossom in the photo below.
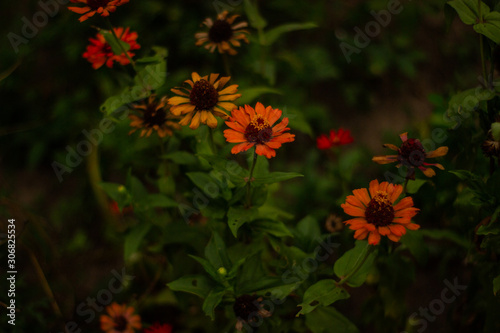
x=157, y=328
x=91, y=7
x=99, y=52
x=340, y=138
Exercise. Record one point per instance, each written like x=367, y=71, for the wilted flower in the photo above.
x=102, y=7
x=120, y=319
x=376, y=214
x=491, y=147
x=342, y=137
x=250, y=127
x=412, y=154
x=203, y=100
x=99, y=52
x=248, y=309
x=153, y=115
x=222, y=34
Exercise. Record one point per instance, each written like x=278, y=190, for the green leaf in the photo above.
x=414, y=241
x=273, y=34
x=181, y=157
x=134, y=238
x=348, y=262
x=248, y=95
x=495, y=130
x=216, y=253
x=491, y=26
x=465, y=102
x=155, y=200
x=414, y=185
x=237, y=216
x=117, y=46
x=307, y=233
x=256, y=20
x=278, y=292
x=209, y=268
x=275, y=177
x=474, y=182
x=226, y=168
x=492, y=228
x=210, y=185
x=123, y=100
x=324, y=292
x=324, y=319
x=496, y=284
x=198, y=285
x=467, y=10
x=213, y=299
x=152, y=76
x=275, y=228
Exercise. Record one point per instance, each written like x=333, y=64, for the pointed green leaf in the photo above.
x=216, y=252
x=324, y=292
x=181, y=157
x=237, y=216
x=275, y=228
x=134, y=238
x=323, y=319
x=467, y=10
x=117, y=46
x=198, y=285
x=249, y=95
x=275, y=177
x=213, y=299
x=256, y=20
x=491, y=26
x=209, y=268
x=346, y=264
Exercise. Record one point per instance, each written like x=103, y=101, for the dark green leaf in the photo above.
x=256, y=20
x=467, y=10
x=248, y=95
x=181, y=157
x=216, y=253
x=226, y=168
x=491, y=26
x=349, y=261
x=275, y=177
x=415, y=185
x=117, y=192
x=209, y=268
x=198, y=285
x=237, y=216
x=496, y=284
x=275, y=228
x=445, y=234
x=155, y=200
x=117, y=46
x=213, y=299
x=134, y=238
x=324, y=292
x=324, y=319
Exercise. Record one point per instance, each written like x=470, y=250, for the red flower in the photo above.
x=157, y=328
x=103, y=7
x=342, y=137
x=99, y=52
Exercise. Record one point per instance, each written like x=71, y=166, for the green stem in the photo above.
x=358, y=264
x=481, y=45
x=249, y=198
x=211, y=141
x=405, y=184
x=227, y=68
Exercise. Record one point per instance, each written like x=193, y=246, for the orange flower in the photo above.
x=376, y=214
x=205, y=99
x=152, y=116
x=251, y=127
x=342, y=137
x=103, y=7
x=412, y=154
x=121, y=319
x=222, y=34
x=99, y=52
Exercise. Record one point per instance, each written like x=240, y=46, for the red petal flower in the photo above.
x=340, y=138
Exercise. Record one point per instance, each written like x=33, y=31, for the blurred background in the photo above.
x=49, y=95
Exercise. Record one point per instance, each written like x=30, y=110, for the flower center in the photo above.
x=120, y=323
x=380, y=211
x=244, y=306
x=221, y=31
x=411, y=153
x=95, y=4
x=154, y=117
x=258, y=130
x=203, y=95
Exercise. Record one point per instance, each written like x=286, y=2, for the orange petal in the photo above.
x=234, y=137
x=384, y=231
x=353, y=200
x=374, y=186
x=353, y=211
x=397, y=229
x=385, y=159
x=264, y=150
x=413, y=226
x=242, y=147
x=361, y=234
x=404, y=136
x=393, y=238
x=441, y=151
x=362, y=194
x=404, y=203
x=374, y=238
x=398, y=189
x=391, y=146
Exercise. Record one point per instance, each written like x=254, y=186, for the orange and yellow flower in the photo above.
x=376, y=214
x=204, y=99
x=223, y=34
x=120, y=319
x=91, y=7
x=153, y=115
x=254, y=127
x=412, y=154
x=99, y=52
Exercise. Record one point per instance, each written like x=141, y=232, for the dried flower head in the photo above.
x=153, y=115
x=247, y=308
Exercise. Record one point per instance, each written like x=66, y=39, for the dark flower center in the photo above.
x=120, y=323
x=411, y=153
x=203, y=95
x=244, y=306
x=154, y=117
x=380, y=211
x=220, y=31
x=95, y=4
x=258, y=130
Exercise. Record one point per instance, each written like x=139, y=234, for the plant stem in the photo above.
x=249, y=198
x=227, y=68
x=358, y=264
x=211, y=141
x=481, y=45
x=405, y=184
